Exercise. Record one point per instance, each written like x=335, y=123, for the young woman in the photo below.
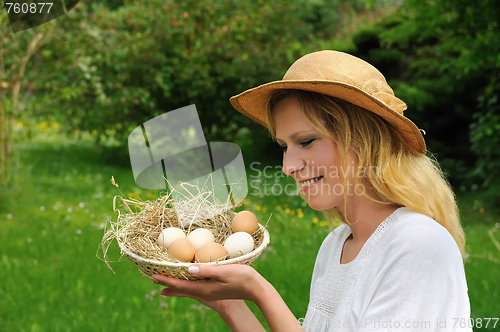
x=396, y=261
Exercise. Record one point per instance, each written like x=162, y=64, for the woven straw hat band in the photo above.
x=339, y=75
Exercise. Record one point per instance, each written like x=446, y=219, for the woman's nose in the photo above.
x=292, y=162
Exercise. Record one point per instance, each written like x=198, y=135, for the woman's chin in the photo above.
x=320, y=206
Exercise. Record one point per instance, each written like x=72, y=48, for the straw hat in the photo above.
x=339, y=75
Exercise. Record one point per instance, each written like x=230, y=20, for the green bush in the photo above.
x=441, y=57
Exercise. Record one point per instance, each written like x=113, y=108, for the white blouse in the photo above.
x=409, y=276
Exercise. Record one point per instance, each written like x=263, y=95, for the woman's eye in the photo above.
x=307, y=142
x=303, y=144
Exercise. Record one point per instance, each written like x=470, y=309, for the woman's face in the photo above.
x=309, y=157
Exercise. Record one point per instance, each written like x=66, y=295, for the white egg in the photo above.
x=169, y=235
x=199, y=237
x=239, y=244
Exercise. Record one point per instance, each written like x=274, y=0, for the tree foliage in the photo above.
x=116, y=64
x=112, y=65
x=442, y=57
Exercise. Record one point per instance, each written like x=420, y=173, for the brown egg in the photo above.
x=245, y=221
x=181, y=249
x=210, y=252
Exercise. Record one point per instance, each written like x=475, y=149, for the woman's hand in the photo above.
x=218, y=286
x=225, y=287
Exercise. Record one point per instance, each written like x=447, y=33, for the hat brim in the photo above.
x=252, y=103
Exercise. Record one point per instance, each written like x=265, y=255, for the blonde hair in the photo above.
x=401, y=176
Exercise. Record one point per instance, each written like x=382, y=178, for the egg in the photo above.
x=168, y=235
x=245, y=221
x=239, y=244
x=182, y=249
x=199, y=237
x=210, y=252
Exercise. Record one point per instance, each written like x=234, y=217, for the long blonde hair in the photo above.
x=401, y=176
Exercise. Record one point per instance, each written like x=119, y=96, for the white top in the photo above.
x=409, y=276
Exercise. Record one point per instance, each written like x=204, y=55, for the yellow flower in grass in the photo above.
x=277, y=207
x=264, y=209
x=315, y=220
x=134, y=195
x=323, y=223
x=300, y=214
x=287, y=211
x=292, y=212
x=258, y=207
x=481, y=210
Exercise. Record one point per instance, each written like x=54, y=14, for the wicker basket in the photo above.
x=148, y=267
x=139, y=225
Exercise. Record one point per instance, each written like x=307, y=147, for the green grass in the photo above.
x=52, y=222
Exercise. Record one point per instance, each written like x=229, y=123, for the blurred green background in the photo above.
x=72, y=90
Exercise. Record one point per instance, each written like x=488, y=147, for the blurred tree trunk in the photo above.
x=3, y=136
x=17, y=69
x=3, y=133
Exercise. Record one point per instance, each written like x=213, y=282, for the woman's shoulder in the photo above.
x=418, y=226
x=418, y=234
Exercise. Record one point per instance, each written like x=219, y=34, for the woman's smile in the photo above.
x=305, y=185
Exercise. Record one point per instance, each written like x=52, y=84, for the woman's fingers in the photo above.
x=223, y=273
x=171, y=292
x=216, y=282
x=211, y=271
x=174, y=284
x=164, y=280
x=187, y=287
x=220, y=273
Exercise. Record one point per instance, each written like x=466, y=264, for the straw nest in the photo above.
x=139, y=225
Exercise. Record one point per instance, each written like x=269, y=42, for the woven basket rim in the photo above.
x=235, y=260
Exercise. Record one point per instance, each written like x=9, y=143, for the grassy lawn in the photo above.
x=52, y=222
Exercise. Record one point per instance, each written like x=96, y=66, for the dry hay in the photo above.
x=137, y=232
